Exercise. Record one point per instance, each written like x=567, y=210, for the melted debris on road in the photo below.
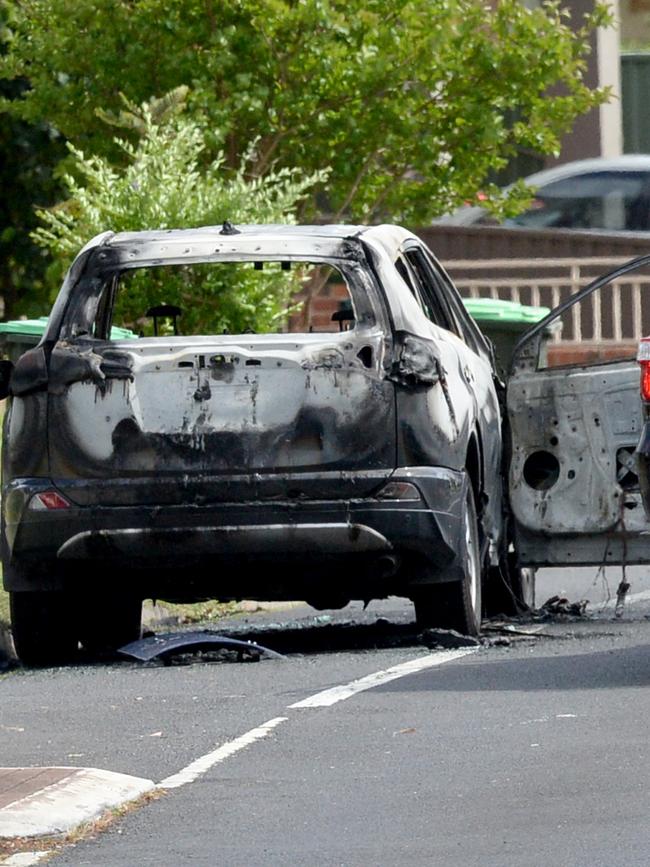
x=165, y=647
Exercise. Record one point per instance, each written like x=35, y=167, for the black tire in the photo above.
x=457, y=604
x=42, y=624
x=110, y=622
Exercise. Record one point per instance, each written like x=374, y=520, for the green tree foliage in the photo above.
x=29, y=154
x=163, y=183
x=412, y=103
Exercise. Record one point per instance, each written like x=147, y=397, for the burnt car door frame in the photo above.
x=566, y=427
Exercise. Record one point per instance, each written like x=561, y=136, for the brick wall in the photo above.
x=589, y=353
x=317, y=308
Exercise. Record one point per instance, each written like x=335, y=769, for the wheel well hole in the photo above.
x=541, y=470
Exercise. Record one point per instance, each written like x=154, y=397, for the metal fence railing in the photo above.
x=617, y=313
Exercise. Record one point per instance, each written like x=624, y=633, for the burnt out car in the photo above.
x=351, y=453
x=354, y=450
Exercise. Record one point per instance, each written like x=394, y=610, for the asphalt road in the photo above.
x=531, y=754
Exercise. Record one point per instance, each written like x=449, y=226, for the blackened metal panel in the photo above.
x=24, y=448
x=221, y=406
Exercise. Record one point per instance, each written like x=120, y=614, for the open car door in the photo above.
x=573, y=483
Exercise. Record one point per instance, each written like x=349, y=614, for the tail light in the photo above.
x=399, y=491
x=417, y=364
x=643, y=358
x=48, y=500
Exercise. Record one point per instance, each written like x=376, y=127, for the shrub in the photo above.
x=163, y=184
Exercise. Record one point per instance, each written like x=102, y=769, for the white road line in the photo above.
x=320, y=699
x=49, y=806
x=204, y=763
x=339, y=693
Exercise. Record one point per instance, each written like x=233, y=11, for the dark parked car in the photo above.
x=607, y=194
x=353, y=453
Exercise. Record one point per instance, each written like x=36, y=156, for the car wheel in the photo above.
x=42, y=624
x=110, y=622
x=456, y=605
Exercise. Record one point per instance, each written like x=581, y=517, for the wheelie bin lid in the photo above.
x=507, y=315
x=36, y=327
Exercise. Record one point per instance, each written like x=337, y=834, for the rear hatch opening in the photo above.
x=255, y=367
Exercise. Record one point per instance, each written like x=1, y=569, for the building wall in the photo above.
x=598, y=133
x=634, y=23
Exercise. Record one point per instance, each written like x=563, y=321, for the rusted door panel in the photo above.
x=229, y=407
x=573, y=490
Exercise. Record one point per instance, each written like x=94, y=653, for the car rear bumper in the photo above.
x=233, y=544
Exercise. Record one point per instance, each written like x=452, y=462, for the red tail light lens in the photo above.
x=399, y=491
x=48, y=500
x=645, y=380
x=643, y=358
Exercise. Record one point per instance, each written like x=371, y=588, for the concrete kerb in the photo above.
x=250, y=606
x=38, y=802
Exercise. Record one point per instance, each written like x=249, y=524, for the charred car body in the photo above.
x=309, y=463
x=320, y=465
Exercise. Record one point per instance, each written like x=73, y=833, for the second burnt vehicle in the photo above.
x=353, y=451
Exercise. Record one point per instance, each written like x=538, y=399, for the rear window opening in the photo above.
x=270, y=297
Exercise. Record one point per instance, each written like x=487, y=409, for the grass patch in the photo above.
x=200, y=612
x=4, y=607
